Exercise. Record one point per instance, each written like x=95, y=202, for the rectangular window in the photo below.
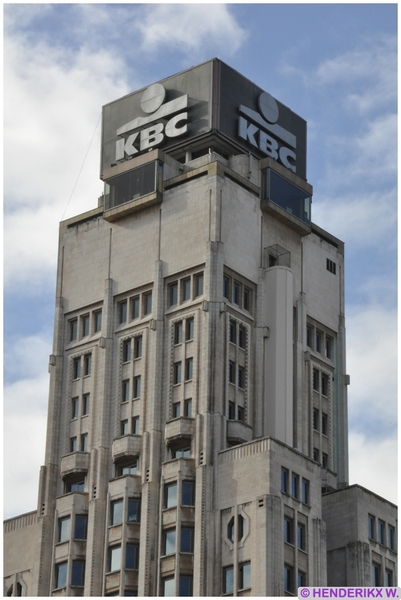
x=134, y=510
x=375, y=581
x=316, y=380
x=178, y=333
x=189, y=329
x=84, y=442
x=325, y=423
x=169, y=586
x=125, y=390
x=240, y=413
x=177, y=373
x=61, y=575
x=295, y=485
x=74, y=408
x=131, y=469
x=305, y=491
x=301, y=536
x=135, y=425
x=247, y=299
x=331, y=266
x=288, y=579
x=173, y=293
x=186, y=289
x=188, y=407
x=245, y=575
x=389, y=578
x=185, y=585
x=170, y=495
x=132, y=556
x=88, y=364
x=231, y=411
x=325, y=460
x=316, y=419
x=116, y=512
x=138, y=347
x=135, y=308
x=78, y=573
x=325, y=384
x=319, y=342
x=309, y=336
x=85, y=404
x=371, y=527
x=233, y=331
x=226, y=287
x=241, y=377
x=288, y=530
x=73, y=444
x=97, y=319
x=75, y=486
x=147, y=309
x=76, y=368
x=181, y=452
x=198, y=285
x=122, y=312
x=237, y=293
x=228, y=580
x=64, y=528
x=169, y=542
x=189, y=364
x=328, y=346
x=84, y=326
x=316, y=454
x=285, y=480
x=124, y=427
x=176, y=410
x=81, y=527
x=188, y=493
x=114, y=558
x=137, y=386
x=187, y=539
x=391, y=537
x=301, y=579
x=126, y=350
x=382, y=532
x=73, y=326
x=231, y=371
x=242, y=337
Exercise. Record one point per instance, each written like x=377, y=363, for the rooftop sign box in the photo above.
x=211, y=99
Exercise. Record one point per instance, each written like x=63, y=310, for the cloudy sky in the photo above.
x=333, y=64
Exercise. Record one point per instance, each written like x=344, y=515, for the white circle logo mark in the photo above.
x=268, y=107
x=153, y=97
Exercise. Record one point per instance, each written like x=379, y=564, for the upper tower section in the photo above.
x=208, y=107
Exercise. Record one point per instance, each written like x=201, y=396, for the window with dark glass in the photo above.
x=61, y=575
x=176, y=410
x=325, y=460
x=173, y=293
x=188, y=407
x=226, y=287
x=73, y=329
x=134, y=510
x=114, y=558
x=138, y=347
x=125, y=390
x=288, y=196
x=288, y=579
x=77, y=485
x=85, y=326
x=288, y=530
x=186, y=289
x=231, y=529
x=295, y=485
x=97, y=321
x=187, y=539
x=309, y=336
x=132, y=185
x=325, y=421
x=84, y=442
x=147, y=303
x=81, y=527
x=78, y=573
x=198, y=285
x=391, y=537
x=318, y=341
x=178, y=333
x=228, y=580
x=177, y=373
x=74, y=408
x=242, y=337
x=76, y=367
x=316, y=454
x=241, y=376
x=301, y=536
x=85, y=404
x=305, y=491
x=126, y=350
x=284, y=480
x=389, y=578
x=128, y=469
x=371, y=527
x=375, y=575
x=124, y=427
x=231, y=411
x=135, y=425
x=137, y=386
x=381, y=532
x=301, y=579
x=181, y=452
x=122, y=312
x=132, y=556
x=233, y=331
x=328, y=346
x=73, y=444
x=316, y=380
x=64, y=528
x=189, y=329
x=185, y=585
x=237, y=293
x=188, y=493
x=316, y=419
x=87, y=364
x=189, y=363
x=325, y=384
x=135, y=307
x=240, y=413
x=247, y=299
x=231, y=371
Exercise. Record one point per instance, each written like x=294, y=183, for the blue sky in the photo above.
x=333, y=64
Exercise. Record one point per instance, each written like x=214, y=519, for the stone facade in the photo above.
x=198, y=391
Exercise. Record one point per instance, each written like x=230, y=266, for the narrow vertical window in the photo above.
x=305, y=491
x=185, y=585
x=135, y=307
x=122, y=312
x=186, y=289
x=85, y=404
x=189, y=329
x=176, y=410
x=178, y=333
x=73, y=325
x=301, y=536
x=147, y=303
x=114, y=558
x=125, y=390
x=134, y=510
x=138, y=347
x=97, y=321
x=64, y=528
x=242, y=337
x=241, y=377
x=132, y=556
x=189, y=363
x=85, y=326
x=231, y=371
x=126, y=350
x=316, y=419
x=116, y=512
x=81, y=527
x=245, y=575
x=169, y=542
x=188, y=407
x=371, y=527
x=247, y=299
x=88, y=364
x=78, y=573
x=188, y=493
x=187, y=539
x=325, y=420
x=76, y=367
x=295, y=485
x=173, y=293
x=73, y=444
x=170, y=495
x=228, y=580
x=74, y=408
x=137, y=386
x=226, y=287
x=61, y=575
x=198, y=285
x=84, y=442
x=233, y=332
x=284, y=480
x=177, y=373
x=237, y=293
x=135, y=425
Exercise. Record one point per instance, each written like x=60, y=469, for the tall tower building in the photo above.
x=198, y=391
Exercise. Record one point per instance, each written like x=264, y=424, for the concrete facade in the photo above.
x=198, y=391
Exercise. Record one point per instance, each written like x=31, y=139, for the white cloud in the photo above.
x=373, y=465
x=190, y=27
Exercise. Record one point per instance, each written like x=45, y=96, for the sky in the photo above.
x=332, y=64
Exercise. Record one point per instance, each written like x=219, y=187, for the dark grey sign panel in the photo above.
x=192, y=103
